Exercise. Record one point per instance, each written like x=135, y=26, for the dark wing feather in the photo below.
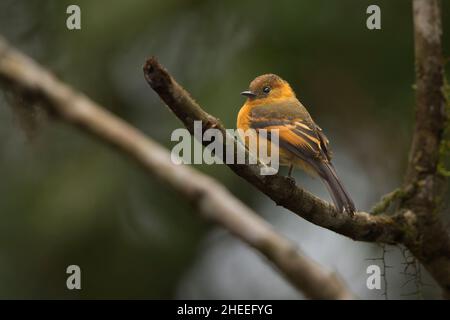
x=300, y=135
x=324, y=142
x=298, y=132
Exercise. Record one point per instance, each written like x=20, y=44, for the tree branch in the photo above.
x=211, y=199
x=416, y=222
x=280, y=189
x=430, y=242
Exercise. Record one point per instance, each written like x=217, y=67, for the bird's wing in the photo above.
x=324, y=142
x=297, y=131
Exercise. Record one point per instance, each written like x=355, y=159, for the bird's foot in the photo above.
x=291, y=168
x=349, y=211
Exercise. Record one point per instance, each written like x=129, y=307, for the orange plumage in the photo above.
x=272, y=104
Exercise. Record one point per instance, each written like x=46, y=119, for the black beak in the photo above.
x=248, y=94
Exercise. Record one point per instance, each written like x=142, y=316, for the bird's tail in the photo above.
x=341, y=199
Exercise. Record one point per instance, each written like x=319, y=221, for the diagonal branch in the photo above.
x=212, y=201
x=280, y=189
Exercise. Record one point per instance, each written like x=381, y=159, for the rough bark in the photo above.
x=429, y=240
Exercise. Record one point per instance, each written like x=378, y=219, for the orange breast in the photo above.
x=286, y=157
x=242, y=118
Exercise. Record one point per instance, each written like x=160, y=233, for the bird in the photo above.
x=272, y=104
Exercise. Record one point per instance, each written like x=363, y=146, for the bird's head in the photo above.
x=268, y=87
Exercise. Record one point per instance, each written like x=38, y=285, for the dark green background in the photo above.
x=67, y=199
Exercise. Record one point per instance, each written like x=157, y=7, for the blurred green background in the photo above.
x=66, y=198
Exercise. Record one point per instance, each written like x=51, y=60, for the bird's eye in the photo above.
x=266, y=89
